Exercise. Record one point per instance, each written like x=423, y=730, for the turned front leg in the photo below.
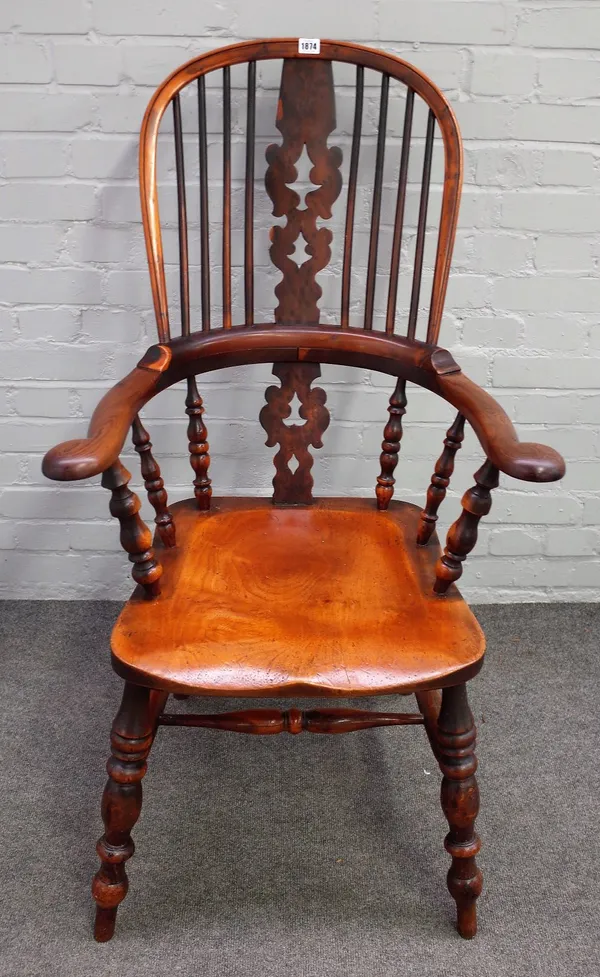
x=131, y=739
x=460, y=802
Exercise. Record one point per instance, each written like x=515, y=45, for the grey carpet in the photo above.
x=301, y=855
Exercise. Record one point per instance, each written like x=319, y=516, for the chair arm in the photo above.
x=73, y=460
x=528, y=462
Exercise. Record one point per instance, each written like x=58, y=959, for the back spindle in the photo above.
x=421, y=228
x=392, y=436
x=249, y=197
x=376, y=209
x=440, y=480
x=399, y=218
x=351, y=203
x=184, y=280
x=226, y=198
x=204, y=217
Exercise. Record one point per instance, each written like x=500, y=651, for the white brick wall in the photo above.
x=523, y=310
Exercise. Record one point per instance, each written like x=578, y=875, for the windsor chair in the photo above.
x=297, y=596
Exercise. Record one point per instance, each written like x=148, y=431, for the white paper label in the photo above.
x=309, y=45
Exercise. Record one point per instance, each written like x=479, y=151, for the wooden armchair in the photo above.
x=297, y=596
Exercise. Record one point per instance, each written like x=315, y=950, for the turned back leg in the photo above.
x=131, y=739
x=460, y=802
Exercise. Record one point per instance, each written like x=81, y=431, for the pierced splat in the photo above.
x=293, y=484
x=305, y=117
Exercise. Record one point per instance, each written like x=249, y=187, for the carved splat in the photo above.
x=198, y=445
x=294, y=440
x=440, y=480
x=153, y=482
x=390, y=449
x=462, y=535
x=305, y=117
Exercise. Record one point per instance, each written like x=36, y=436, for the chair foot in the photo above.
x=131, y=739
x=460, y=801
x=104, y=925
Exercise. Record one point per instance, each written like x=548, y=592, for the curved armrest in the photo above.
x=528, y=462
x=108, y=428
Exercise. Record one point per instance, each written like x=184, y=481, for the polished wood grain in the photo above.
x=261, y=600
x=153, y=482
x=305, y=118
x=293, y=486
x=269, y=722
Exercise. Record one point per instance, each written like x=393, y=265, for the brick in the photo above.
x=8, y=325
x=533, y=509
x=591, y=512
x=500, y=332
x=57, y=362
x=502, y=254
x=124, y=112
x=178, y=17
x=510, y=167
x=582, y=476
x=544, y=371
x=572, y=542
x=536, y=293
x=515, y=542
x=147, y=64
x=39, y=535
x=359, y=20
x=44, y=111
x=87, y=64
x=42, y=401
x=445, y=23
x=35, y=156
x=569, y=167
x=566, y=78
x=111, y=325
x=595, y=337
x=547, y=332
x=24, y=63
x=554, y=252
x=555, y=123
x=19, y=435
x=112, y=158
x=59, y=325
x=550, y=211
x=442, y=64
x=40, y=202
x=29, y=242
x=98, y=243
x=589, y=409
x=8, y=540
x=503, y=74
x=68, y=17
x=49, y=286
x=562, y=27
x=546, y=408
x=484, y=119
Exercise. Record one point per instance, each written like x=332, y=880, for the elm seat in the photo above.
x=329, y=600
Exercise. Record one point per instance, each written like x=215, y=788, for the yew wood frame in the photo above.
x=443, y=711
